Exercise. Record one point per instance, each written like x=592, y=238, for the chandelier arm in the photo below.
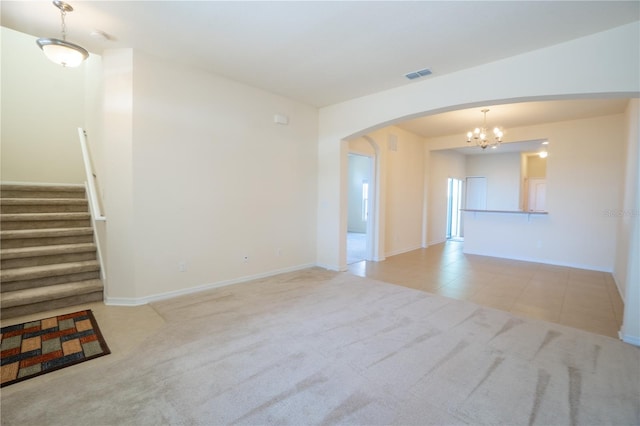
x=481, y=135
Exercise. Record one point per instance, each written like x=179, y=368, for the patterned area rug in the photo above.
x=38, y=347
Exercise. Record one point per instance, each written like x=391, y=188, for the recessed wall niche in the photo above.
x=533, y=182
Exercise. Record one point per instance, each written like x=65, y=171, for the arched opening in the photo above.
x=363, y=211
x=544, y=241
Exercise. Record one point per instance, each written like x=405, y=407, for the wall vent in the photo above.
x=392, y=142
x=417, y=74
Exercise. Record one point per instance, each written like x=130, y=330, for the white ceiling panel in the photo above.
x=325, y=52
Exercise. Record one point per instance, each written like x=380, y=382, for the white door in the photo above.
x=537, y=195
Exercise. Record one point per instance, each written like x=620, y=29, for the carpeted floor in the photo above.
x=317, y=347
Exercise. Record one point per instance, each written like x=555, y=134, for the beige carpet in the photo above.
x=317, y=347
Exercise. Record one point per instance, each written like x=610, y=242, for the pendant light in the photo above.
x=63, y=52
x=482, y=137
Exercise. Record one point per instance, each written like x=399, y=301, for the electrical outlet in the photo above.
x=182, y=266
x=245, y=259
x=279, y=252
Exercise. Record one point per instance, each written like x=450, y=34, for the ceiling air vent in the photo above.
x=417, y=74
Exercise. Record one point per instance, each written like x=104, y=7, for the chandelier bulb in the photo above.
x=480, y=134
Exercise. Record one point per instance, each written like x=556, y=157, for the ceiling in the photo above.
x=510, y=116
x=326, y=52
x=534, y=147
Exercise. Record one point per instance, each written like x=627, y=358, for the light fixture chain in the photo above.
x=63, y=13
x=61, y=51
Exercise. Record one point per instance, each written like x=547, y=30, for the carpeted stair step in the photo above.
x=45, y=237
x=43, y=205
x=48, y=258
x=46, y=255
x=28, y=301
x=41, y=191
x=46, y=275
x=13, y=221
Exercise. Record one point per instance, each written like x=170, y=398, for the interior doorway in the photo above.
x=536, y=195
x=454, y=204
x=359, y=208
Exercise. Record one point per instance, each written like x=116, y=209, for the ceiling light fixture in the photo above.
x=481, y=135
x=543, y=154
x=63, y=52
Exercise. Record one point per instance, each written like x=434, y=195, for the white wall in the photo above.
x=442, y=165
x=213, y=179
x=604, y=63
x=503, y=178
x=536, y=166
x=627, y=213
x=404, y=189
x=627, y=264
x=584, y=177
x=118, y=173
x=43, y=104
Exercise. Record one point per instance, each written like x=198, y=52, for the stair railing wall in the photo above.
x=97, y=215
x=94, y=202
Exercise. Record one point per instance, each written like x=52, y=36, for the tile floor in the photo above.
x=356, y=247
x=588, y=300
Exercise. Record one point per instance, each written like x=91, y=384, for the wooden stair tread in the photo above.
x=20, y=252
x=48, y=232
x=42, y=294
x=41, y=188
x=35, y=272
x=44, y=216
x=43, y=201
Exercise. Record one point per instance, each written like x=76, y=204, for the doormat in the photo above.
x=38, y=347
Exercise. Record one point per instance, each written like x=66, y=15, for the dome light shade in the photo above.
x=59, y=51
x=62, y=52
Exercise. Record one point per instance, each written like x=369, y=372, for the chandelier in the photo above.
x=482, y=136
x=63, y=52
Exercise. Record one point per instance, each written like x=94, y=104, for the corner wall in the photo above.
x=43, y=104
x=212, y=180
x=627, y=217
x=404, y=189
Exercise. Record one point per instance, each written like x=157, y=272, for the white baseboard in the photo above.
x=137, y=301
x=620, y=293
x=539, y=260
x=632, y=340
x=328, y=267
x=405, y=250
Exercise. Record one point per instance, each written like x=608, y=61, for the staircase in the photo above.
x=47, y=254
